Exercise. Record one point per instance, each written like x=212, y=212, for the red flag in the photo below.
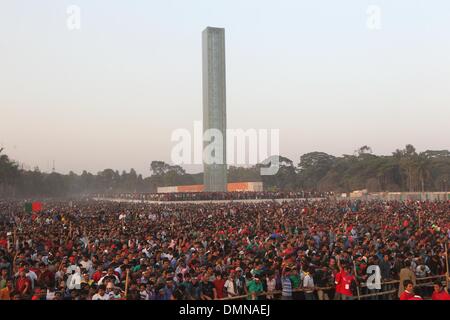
x=36, y=206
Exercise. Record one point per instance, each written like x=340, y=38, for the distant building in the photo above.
x=231, y=187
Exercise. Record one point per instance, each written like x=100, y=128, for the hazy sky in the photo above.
x=110, y=94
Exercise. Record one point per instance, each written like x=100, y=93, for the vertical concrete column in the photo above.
x=214, y=104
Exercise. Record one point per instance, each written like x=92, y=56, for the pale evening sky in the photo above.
x=110, y=94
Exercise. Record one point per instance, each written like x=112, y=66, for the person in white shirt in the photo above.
x=50, y=294
x=271, y=283
x=308, y=285
x=74, y=281
x=86, y=264
x=119, y=271
x=422, y=271
x=73, y=267
x=101, y=294
x=229, y=285
x=33, y=276
x=143, y=294
x=110, y=290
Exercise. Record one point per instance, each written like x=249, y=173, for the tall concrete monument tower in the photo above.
x=214, y=107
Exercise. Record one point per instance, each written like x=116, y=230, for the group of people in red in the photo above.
x=293, y=250
x=439, y=293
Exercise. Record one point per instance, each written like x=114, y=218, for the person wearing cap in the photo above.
x=239, y=281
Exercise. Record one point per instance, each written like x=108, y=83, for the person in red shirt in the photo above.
x=4, y=243
x=46, y=278
x=219, y=284
x=38, y=295
x=439, y=292
x=408, y=294
x=343, y=283
x=98, y=274
x=23, y=283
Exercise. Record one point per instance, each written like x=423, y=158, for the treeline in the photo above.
x=404, y=170
x=15, y=182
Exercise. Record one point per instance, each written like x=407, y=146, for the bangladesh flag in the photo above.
x=33, y=207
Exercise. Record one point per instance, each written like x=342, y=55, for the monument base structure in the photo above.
x=231, y=187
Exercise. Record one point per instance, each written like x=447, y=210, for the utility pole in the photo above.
x=446, y=265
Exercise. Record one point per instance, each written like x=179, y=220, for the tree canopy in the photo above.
x=404, y=170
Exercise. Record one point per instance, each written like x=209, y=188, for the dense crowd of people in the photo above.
x=211, y=196
x=301, y=249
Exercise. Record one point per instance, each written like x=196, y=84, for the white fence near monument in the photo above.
x=402, y=196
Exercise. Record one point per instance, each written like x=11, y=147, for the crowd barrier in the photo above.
x=394, y=292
